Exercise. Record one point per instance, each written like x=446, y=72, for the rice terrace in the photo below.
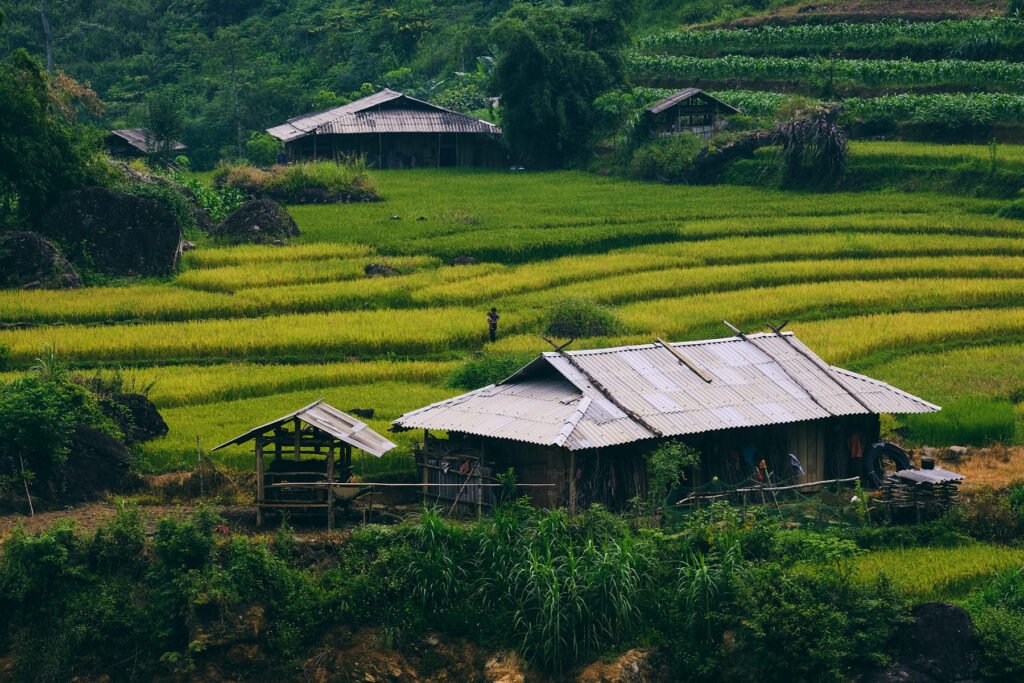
x=583, y=340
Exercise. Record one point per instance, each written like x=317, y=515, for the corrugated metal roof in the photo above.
x=327, y=418
x=683, y=95
x=408, y=115
x=761, y=379
x=406, y=121
x=139, y=138
x=935, y=476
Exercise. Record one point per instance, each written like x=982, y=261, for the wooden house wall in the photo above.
x=612, y=476
x=403, y=150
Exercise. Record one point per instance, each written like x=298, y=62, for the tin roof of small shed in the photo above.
x=327, y=418
x=685, y=94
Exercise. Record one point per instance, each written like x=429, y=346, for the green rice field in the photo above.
x=920, y=289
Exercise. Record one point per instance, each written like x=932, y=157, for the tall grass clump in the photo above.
x=572, y=586
x=578, y=317
x=977, y=421
x=488, y=367
x=312, y=182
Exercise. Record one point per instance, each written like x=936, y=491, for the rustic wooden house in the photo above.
x=310, y=459
x=582, y=421
x=392, y=130
x=130, y=143
x=689, y=111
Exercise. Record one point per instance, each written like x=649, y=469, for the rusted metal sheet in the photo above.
x=935, y=476
x=329, y=419
x=402, y=114
x=140, y=139
x=604, y=397
x=685, y=94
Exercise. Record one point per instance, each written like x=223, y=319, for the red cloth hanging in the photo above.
x=856, y=447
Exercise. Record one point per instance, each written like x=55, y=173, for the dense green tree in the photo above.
x=42, y=150
x=165, y=123
x=554, y=62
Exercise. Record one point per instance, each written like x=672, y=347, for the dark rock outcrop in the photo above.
x=115, y=233
x=260, y=221
x=97, y=463
x=138, y=418
x=938, y=647
x=379, y=270
x=30, y=261
x=462, y=261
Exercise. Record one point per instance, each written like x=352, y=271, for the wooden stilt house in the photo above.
x=304, y=459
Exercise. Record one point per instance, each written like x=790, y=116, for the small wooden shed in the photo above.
x=689, y=111
x=130, y=143
x=311, y=465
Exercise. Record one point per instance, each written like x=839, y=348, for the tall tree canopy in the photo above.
x=43, y=151
x=554, y=61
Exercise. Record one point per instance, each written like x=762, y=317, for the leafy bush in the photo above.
x=172, y=199
x=37, y=417
x=987, y=514
x=262, y=149
x=669, y=159
x=813, y=628
x=666, y=467
x=577, y=318
x=998, y=613
x=5, y=355
x=309, y=182
x=488, y=367
x=1014, y=209
x=218, y=201
x=976, y=421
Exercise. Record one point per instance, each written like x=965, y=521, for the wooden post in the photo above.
x=426, y=471
x=480, y=480
x=330, y=488
x=259, y=481
x=298, y=440
x=572, y=482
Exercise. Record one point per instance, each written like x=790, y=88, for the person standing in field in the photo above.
x=492, y=323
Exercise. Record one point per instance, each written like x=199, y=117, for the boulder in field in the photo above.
x=260, y=221
x=146, y=421
x=116, y=233
x=30, y=261
x=938, y=646
x=379, y=270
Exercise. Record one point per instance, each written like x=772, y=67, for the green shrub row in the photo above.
x=969, y=38
x=306, y=182
x=720, y=595
x=901, y=73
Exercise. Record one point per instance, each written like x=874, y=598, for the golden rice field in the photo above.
x=946, y=574
x=923, y=290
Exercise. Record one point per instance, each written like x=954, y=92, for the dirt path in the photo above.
x=90, y=516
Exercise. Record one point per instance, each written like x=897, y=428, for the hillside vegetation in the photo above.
x=866, y=278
